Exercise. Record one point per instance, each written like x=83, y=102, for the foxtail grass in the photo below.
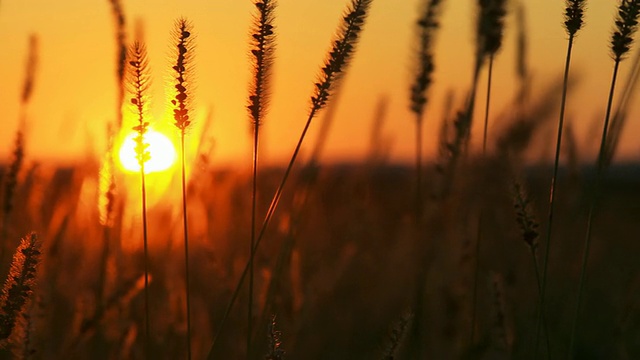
x=275, y=350
x=528, y=226
x=621, y=114
x=139, y=83
x=18, y=287
x=121, y=55
x=342, y=50
x=184, y=46
x=626, y=24
x=262, y=49
x=426, y=27
x=574, y=11
x=490, y=28
x=11, y=179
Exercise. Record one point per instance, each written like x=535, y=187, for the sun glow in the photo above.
x=161, y=150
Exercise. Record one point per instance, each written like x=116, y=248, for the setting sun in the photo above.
x=161, y=150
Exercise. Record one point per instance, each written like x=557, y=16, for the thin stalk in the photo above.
x=554, y=179
x=267, y=220
x=486, y=108
x=541, y=300
x=147, y=332
x=186, y=243
x=481, y=216
x=254, y=192
x=474, y=297
x=419, y=121
x=596, y=195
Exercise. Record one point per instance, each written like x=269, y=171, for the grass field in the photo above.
x=515, y=251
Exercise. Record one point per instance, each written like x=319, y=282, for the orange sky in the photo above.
x=75, y=86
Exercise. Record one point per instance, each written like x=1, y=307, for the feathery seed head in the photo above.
x=341, y=52
x=573, y=16
x=275, y=351
x=139, y=83
x=184, y=47
x=425, y=26
x=490, y=26
x=262, y=49
x=32, y=63
x=526, y=221
x=626, y=25
x=19, y=284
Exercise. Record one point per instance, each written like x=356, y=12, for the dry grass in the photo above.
x=342, y=259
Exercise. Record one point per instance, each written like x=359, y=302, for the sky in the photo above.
x=75, y=90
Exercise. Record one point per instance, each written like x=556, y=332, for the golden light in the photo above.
x=161, y=150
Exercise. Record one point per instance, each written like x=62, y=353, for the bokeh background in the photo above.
x=75, y=93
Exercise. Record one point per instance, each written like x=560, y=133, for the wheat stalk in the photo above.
x=330, y=75
x=626, y=24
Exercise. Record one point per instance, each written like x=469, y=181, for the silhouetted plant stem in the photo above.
x=626, y=23
x=184, y=52
x=592, y=208
x=147, y=328
x=254, y=191
x=185, y=228
x=262, y=49
x=552, y=188
x=541, y=312
x=139, y=82
x=331, y=74
x=487, y=104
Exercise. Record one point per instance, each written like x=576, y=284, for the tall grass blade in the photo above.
x=139, y=82
x=331, y=73
x=262, y=49
x=184, y=50
x=573, y=23
x=626, y=25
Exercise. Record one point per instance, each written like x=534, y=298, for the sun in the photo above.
x=161, y=150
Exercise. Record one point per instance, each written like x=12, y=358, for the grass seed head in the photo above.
x=262, y=49
x=19, y=284
x=490, y=25
x=341, y=52
x=139, y=84
x=626, y=25
x=184, y=49
x=573, y=15
x=426, y=25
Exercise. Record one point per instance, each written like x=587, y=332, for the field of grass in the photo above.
x=471, y=255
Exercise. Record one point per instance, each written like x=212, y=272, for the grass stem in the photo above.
x=592, y=208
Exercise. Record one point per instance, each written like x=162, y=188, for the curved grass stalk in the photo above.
x=331, y=74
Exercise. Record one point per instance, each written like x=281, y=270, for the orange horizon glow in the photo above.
x=75, y=93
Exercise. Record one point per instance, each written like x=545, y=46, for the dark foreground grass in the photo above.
x=348, y=278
